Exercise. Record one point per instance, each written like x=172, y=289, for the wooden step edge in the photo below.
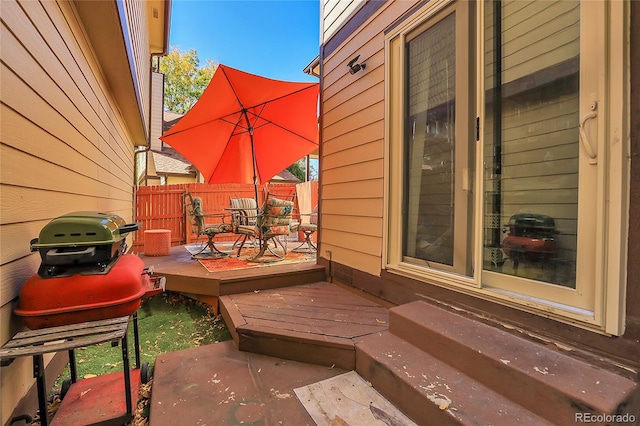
x=430, y=391
x=296, y=336
x=270, y=282
x=232, y=317
x=302, y=347
x=548, y=379
x=275, y=271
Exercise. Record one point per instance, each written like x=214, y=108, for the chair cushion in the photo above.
x=305, y=227
x=276, y=217
x=245, y=210
x=277, y=212
x=218, y=229
x=245, y=229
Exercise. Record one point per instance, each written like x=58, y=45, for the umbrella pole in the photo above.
x=253, y=155
x=253, y=159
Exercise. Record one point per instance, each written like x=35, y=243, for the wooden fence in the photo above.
x=163, y=206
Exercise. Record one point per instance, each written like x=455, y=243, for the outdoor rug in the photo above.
x=231, y=262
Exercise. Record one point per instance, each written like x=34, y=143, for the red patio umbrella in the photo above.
x=246, y=128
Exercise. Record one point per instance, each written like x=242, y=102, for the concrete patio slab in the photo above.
x=220, y=385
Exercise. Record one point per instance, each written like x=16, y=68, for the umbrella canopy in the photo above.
x=247, y=128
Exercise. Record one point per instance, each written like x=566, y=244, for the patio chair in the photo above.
x=200, y=228
x=244, y=211
x=306, y=220
x=272, y=222
x=308, y=227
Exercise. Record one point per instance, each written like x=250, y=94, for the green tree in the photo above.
x=184, y=78
x=297, y=169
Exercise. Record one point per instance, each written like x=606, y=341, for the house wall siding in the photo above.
x=64, y=147
x=136, y=18
x=353, y=144
x=336, y=13
x=157, y=88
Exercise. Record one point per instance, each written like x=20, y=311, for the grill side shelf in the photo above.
x=55, y=339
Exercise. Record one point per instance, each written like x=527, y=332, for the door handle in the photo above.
x=584, y=138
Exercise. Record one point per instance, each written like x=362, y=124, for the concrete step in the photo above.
x=430, y=391
x=543, y=380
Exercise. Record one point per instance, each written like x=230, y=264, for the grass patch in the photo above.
x=166, y=323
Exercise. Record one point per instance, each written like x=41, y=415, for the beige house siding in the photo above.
x=66, y=144
x=353, y=146
x=157, y=88
x=336, y=13
x=136, y=18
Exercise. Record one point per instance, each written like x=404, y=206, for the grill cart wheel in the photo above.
x=65, y=388
x=144, y=373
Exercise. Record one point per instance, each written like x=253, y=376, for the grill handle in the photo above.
x=31, y=243
x=129, y=227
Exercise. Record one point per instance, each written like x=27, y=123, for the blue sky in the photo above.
x=272, y=38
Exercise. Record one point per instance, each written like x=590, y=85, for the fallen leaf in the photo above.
x=338, y=421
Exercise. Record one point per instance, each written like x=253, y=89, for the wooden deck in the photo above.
x=185, y=275
x=316, y=323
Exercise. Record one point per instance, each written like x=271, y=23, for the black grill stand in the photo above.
x=34, y=343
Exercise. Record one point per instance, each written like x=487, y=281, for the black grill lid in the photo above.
x=531, y=225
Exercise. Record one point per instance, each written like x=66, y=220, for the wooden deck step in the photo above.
x=542, y=380
x=273, y=277
x=430, y=391
x=315, y=323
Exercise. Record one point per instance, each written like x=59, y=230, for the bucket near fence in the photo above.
x=157, y=242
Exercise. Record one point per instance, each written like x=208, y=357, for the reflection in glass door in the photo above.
x=531, y=151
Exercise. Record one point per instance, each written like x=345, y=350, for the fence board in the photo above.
x=163, y=207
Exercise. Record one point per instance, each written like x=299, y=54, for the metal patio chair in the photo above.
x=272, y=221
x=244, y=212
x=197, y=219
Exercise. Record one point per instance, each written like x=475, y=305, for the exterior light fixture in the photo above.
x=353, y=67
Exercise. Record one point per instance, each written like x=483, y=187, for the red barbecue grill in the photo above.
x=84, y=275
x=531, y=237
x=85, y=292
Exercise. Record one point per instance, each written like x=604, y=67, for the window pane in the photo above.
x=531, y=139
x=429, y=193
